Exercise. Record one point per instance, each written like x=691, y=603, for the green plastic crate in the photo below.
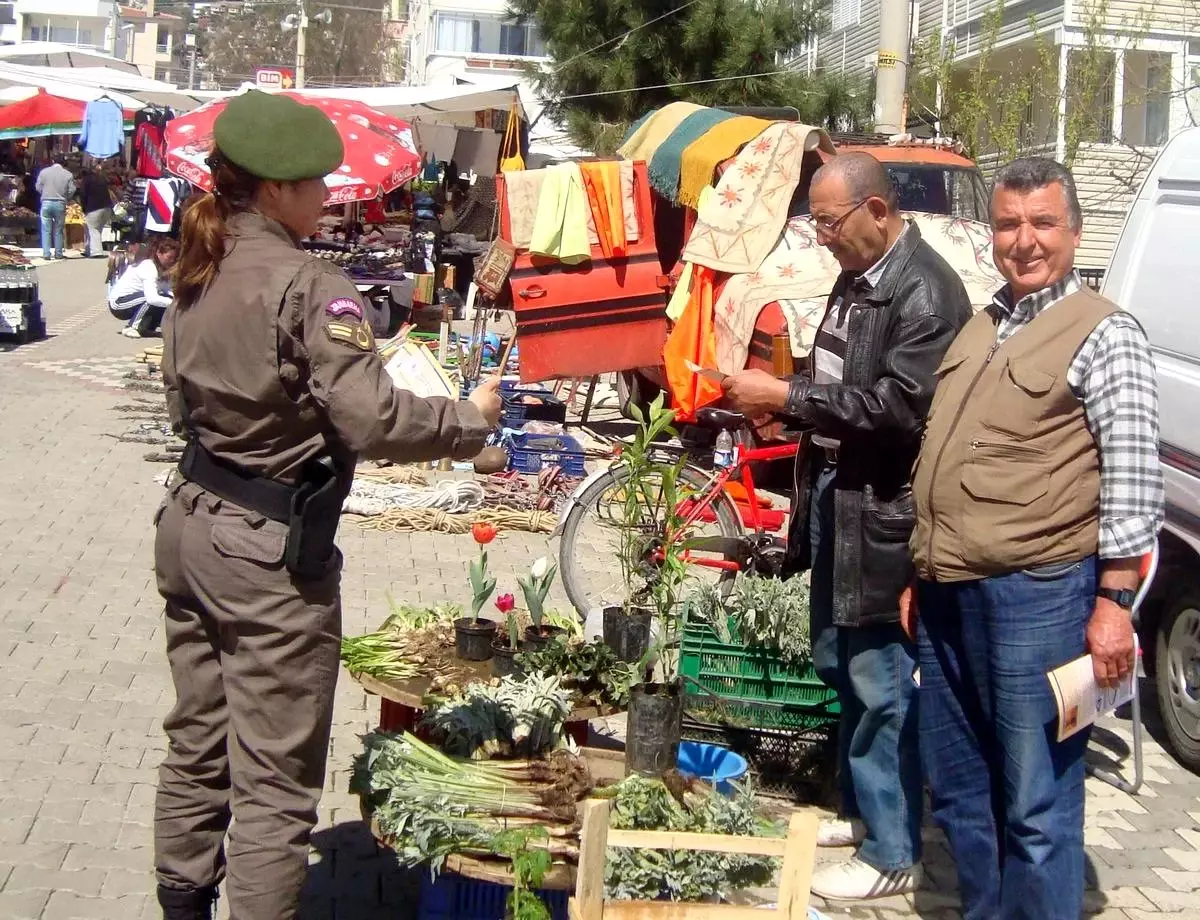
x=797, y=697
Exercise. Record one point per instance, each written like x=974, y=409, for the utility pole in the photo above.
x=892, y=66
x=301, y=41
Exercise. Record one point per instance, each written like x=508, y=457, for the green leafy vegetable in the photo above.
x=762, y=611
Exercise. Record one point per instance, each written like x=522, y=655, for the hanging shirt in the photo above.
x=163, y=198
x=148, y=146
x=103, y=129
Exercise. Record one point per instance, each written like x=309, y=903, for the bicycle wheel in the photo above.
x=590, y=549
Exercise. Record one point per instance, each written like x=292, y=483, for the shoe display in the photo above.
x=841, y=832
x=855, y=880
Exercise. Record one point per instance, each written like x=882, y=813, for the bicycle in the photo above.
x=740, y=543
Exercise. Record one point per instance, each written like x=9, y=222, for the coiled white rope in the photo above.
x=454, y=496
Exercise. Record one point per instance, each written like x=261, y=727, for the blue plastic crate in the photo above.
x=545, y=451
x=452, y=897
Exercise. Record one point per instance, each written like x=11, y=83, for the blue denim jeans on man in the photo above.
x=1008, y=796
x=871, y=667
x=54, y=214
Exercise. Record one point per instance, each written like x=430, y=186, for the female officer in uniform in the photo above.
x=271, y=369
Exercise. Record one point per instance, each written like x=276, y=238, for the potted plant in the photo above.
x=506, y=645
x=473, y=635
x=535, y=586
x=656, y=707
x=626, y=627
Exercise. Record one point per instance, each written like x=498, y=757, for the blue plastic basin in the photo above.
x=716, y=765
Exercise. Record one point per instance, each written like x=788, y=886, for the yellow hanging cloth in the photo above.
x=560, y=229
x=702, y=156
x=603, y=184
x=693, y=339
x=682, y=293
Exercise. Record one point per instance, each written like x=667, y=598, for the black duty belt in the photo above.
x=226, y=480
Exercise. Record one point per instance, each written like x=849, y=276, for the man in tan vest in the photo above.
x=1037, y=491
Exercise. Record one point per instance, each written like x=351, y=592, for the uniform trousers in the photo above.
x=254, y=659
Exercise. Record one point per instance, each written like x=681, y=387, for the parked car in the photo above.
x=1154, y=273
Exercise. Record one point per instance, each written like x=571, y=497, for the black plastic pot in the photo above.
x=473, y=638
x=652, y=728
x=504, y=659
x=627, y=634
x=536, y=639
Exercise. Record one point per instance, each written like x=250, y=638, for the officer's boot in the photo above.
x=187, y=903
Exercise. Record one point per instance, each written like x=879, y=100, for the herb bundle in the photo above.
x=591, y=670
x=684, y=875
x=508, y=718
x=762, y=611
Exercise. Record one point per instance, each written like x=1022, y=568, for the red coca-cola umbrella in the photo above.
x=380, y=152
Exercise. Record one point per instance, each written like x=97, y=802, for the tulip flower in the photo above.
x=483, y=532
x=505, y=603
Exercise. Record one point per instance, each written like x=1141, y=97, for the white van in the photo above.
x=1155, y=274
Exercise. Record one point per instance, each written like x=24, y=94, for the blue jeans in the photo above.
x=1008, y=796
x=53, y=220
x=871, y=668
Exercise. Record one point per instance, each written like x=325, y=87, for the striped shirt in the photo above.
x=829, y=346
x=1113, y=376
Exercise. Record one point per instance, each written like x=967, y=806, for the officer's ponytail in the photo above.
x=203, y=232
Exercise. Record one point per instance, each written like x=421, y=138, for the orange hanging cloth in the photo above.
x=693, y=340
x=603, y=183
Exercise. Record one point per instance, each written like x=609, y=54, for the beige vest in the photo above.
x=1009, y=474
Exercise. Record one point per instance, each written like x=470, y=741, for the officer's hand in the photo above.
x=756, y=392
x=486, y=398
x=1110, y=641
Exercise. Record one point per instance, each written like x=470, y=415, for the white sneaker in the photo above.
x=841, y=832
x=131, y=333
x=855, y=880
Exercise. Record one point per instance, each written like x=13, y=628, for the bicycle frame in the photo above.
x=740, y=468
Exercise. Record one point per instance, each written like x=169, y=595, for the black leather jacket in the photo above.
x=897, y=335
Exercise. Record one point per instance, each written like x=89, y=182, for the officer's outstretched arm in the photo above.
x=347, y=378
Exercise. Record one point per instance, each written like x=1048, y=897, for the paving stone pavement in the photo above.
x=83, y=671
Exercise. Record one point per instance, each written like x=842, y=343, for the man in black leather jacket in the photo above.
x=892, y=314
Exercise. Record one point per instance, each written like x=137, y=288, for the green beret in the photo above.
x=276, y=137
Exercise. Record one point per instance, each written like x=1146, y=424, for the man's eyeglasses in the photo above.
x=831, y=225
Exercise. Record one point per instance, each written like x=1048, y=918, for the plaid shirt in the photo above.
x=1113, y=376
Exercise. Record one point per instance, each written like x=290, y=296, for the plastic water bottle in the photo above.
x=723, y=453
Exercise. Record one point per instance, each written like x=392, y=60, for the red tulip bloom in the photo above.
x=483, y=532
x=505, y=603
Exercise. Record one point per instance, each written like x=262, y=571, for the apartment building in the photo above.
x=453, y=40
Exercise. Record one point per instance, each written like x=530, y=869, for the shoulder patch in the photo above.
x=344, y=306
x=356, y=335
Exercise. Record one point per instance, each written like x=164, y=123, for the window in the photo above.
x=7, y=15
x=844, y=13
x=512, y=38
x=939, y=190
x=163, y=43
x=464, y=33
x=458, y=33
x=1158, y=99
x=1091, y=79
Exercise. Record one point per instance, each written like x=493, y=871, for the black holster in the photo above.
x=310, y=510
x=313, y=522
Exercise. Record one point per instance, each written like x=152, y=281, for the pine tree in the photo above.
x=610, y=67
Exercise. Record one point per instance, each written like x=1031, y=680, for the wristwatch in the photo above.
x=1122, y=598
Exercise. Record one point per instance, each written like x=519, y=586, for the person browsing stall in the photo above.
x=141, y=295
x=272, y=373
x=1037, y=490
x=893, y=312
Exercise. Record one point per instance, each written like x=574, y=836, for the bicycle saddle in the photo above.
x=719, y=419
